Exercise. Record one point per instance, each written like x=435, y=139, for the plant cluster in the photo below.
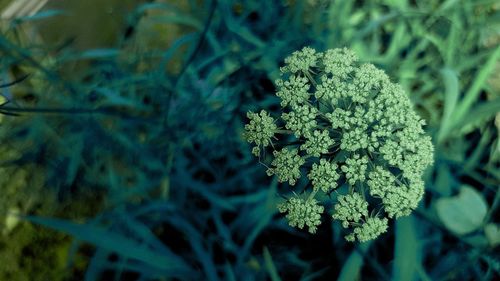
x=353, y=132
x=151, y=122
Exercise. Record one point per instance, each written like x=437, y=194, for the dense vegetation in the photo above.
x=124, y=157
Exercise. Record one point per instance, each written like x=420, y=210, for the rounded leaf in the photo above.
x=463, y=213
x=492, y=232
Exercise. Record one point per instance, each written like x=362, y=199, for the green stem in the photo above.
x=311, y=196
x=309, y=76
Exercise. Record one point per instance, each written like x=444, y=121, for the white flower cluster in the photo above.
x=359, y=134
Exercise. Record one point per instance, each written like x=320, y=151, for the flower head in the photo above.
x=301, y=61
x=350, y=209
x=324, y=175
x=369, y=230
x=302, y=212
x=260, y=130
x=286, y=165
x=339, y=62
x=360, y=135
x=355, y=168
x=293, y=92
x=317, y=143
x=302, y=120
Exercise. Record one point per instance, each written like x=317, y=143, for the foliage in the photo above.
x=152, y=123
x=464, y=213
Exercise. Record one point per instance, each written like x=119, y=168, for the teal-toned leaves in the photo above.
x=492, y=233
x=463, y=213
x=351, y=270
x=38, y=16
x=97, y=54
x=165, y=262
x=270, y=266
x=478, y=84
x=407, y=250
x=451, y=85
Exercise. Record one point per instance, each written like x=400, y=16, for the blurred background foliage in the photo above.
x=122, y=156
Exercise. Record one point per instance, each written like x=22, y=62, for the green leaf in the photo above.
x=482, y=112
x=92, y=54
x=476, y=240
x=407, y=251
x=492, y=232
x=446, y=5
x=166, y=263
x=463, y=213
x=476, y=87
x=114, y=98
x=41, y=15
x=450, y=79
x=453, y=40
x=354, y=263
x=398, y=41
x=271, y=268
x=178, y=19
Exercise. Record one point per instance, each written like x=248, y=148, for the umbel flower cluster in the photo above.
x=354, y=135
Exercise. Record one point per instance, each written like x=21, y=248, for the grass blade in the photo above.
x=478, y=84
x=407, y=252
x=354, y=263
x=271, y=268
x=114, y=242
x=450, y=79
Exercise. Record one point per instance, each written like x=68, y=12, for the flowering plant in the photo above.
x=353, y=132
